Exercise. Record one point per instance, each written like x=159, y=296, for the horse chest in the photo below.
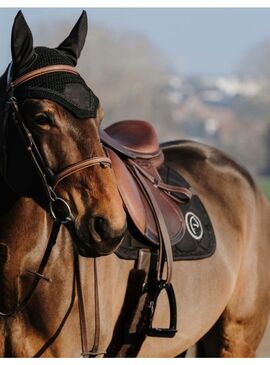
x=16, y=339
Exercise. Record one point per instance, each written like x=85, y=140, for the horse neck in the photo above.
x=24, y=232
x=7, y=197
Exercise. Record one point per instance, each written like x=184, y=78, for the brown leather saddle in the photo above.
x=153, y=208
x=152, y=205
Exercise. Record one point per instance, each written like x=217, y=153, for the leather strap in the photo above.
x=51, y=340
x=81, y=165
x=185, y=192
x=86, y=353
x=42, y=71
x=165, y=249
x=94, y=352
x=82, y=316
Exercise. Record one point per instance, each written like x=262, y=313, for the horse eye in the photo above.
x=43, y=119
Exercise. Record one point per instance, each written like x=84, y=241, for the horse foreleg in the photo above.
x=225, y=339
x=183, y=354
x=240, y=328
x=2, y=340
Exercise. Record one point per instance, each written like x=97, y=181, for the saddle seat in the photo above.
x=136, y=156
x=136, y=135
x=136, y=139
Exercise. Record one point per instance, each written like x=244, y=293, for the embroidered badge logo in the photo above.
x=194, y=225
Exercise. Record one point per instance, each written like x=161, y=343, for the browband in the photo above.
x=39, y=72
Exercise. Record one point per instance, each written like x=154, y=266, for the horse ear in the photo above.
x=73, y=44
x=21, y=43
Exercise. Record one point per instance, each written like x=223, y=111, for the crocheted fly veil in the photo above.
x=69, y=90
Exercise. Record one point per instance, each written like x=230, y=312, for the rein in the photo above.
x=60, y=212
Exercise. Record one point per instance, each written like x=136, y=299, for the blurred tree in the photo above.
x=266, y=168
x=129, y=75
x=125, y=70
x=255, y=62
x=131, y=78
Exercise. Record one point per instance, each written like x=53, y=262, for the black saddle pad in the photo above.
x=198, y=241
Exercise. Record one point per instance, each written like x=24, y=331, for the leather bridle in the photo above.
x=58, y=208
x=48, y=178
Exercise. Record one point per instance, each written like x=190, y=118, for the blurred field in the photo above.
x=264, y=349
x=264, y=183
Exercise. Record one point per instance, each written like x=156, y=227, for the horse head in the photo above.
x=62, y=115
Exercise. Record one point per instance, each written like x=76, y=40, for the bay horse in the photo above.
x=223, y=301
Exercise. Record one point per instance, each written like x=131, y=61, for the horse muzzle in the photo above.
x=97, y=238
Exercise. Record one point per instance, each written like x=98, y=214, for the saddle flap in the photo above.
x=129, y=192
x=172, y=214
x=138, y=206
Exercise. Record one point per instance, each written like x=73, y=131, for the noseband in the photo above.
x=49, y=179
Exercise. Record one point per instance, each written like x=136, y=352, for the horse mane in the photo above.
x=7, y=195
x=3, y=94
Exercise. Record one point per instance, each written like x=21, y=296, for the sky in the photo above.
x=195, y=41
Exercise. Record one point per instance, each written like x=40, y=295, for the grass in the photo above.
x=264, y=183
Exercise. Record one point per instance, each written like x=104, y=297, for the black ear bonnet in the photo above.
x=67, y=89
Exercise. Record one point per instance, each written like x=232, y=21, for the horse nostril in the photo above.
x=101, y=227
